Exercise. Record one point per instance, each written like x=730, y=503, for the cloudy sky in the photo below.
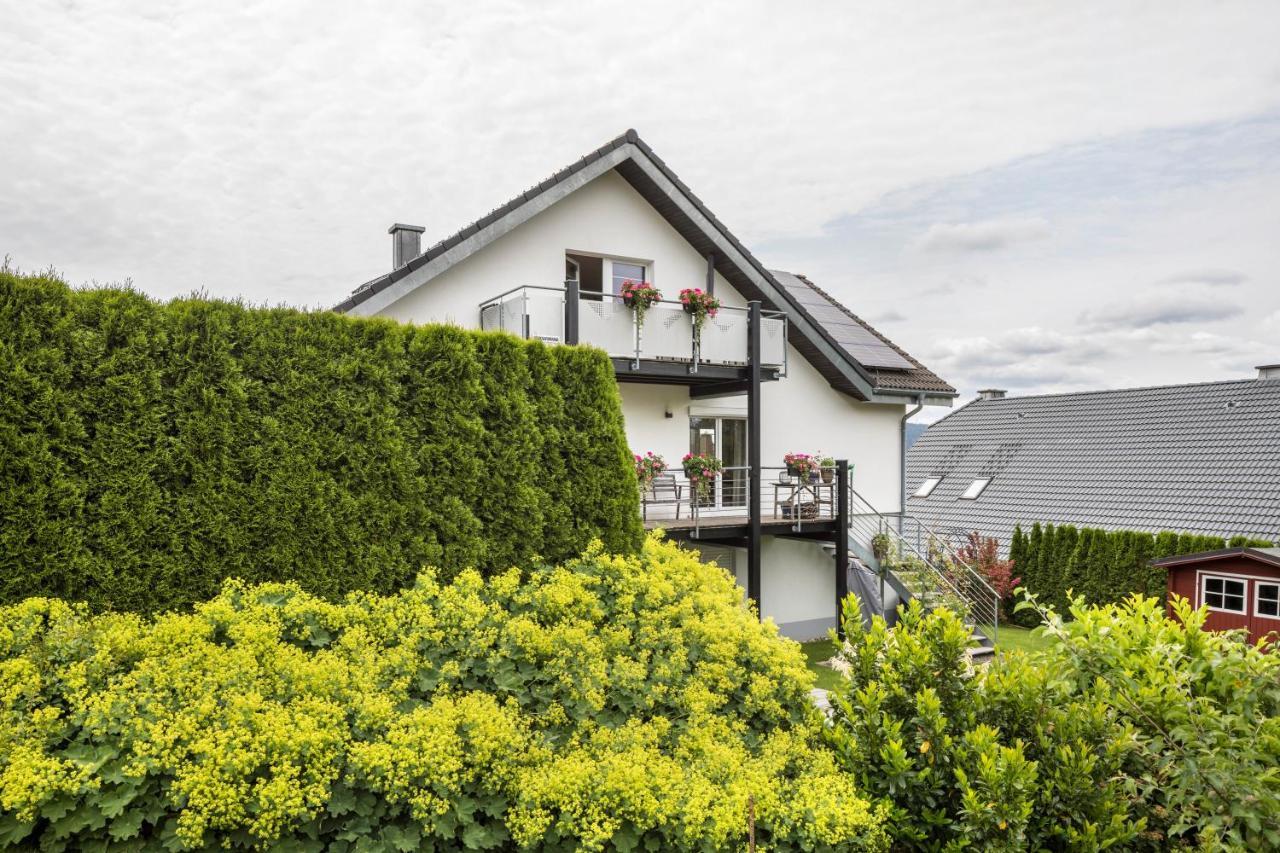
x=1033, y=196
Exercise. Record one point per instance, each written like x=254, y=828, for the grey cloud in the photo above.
x=1160, y=310
x=891, y=316
x=987, y=236
x=1209, y=277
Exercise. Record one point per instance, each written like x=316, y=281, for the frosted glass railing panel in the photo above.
x=607, y=324
x=724, y=338
x=773, y=342
x=546, y=315
x=667, y=334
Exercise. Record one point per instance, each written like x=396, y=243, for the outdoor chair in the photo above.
x=665, y=490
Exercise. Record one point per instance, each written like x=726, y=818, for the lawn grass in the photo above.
x=1015, y=637
x=1012, y=637
x=815, y=652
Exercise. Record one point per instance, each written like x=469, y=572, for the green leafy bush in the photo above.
x=1104, y=566
x=1132, y=731
x=617, y=702
x=147, y=451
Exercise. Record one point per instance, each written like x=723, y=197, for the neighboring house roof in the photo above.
x=1265, y=556
x=1201, y=458
x=636, y=162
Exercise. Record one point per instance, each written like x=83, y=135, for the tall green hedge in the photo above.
x=1105, y=566
x=147, y=450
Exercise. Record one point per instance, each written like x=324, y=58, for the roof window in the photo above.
x=927, y=487
x=975, y=489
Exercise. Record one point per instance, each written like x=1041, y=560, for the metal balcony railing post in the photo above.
x=572, y=301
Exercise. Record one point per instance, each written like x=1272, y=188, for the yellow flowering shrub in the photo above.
x=612, y=703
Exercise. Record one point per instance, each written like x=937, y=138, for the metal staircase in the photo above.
x=919, y=563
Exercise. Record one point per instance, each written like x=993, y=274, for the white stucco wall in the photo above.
x=605, y=217
x=799, y=413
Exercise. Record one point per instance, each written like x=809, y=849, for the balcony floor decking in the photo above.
x=731, y=526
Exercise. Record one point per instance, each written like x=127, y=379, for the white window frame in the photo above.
x=1244, y=595
x=1257, y=597
x=607, y=271
x=927, y=487
x=976, y=488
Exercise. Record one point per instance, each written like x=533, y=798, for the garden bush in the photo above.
x=148, y=451
x=1104, y=566
x=615, y=702
x=1131, y=731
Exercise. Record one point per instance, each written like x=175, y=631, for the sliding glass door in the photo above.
x=725, y=438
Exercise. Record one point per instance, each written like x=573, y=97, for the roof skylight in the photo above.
x=975, y=489
x=927, y=487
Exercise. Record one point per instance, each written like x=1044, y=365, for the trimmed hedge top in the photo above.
x=148, y=451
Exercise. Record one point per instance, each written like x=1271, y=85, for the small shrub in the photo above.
x=1132, y=731
x=617, y=702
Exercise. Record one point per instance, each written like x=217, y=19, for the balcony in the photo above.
x=664, y=347
x=788, y=505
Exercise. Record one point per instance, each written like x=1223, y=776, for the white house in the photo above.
x=781, y=368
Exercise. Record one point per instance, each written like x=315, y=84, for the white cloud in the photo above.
x=262, y=149
x=981, y=236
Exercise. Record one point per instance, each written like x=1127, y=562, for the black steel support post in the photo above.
x=753, y=451
x=571, y=303
x=842, y=541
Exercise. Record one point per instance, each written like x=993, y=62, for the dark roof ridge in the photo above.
x=1125, y=390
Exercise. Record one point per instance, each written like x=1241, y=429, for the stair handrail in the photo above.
x=988, y=604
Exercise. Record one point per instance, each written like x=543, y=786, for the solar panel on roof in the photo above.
x=859, y=342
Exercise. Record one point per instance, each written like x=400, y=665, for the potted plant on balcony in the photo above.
x=827, y=465
x=639, y=296
x=699, y=306
x=802, y=465
x=648, y=466
x=702, y=470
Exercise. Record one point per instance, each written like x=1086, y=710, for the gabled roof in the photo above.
x=1265, y=556
x=1201, y=458
x=636, y=162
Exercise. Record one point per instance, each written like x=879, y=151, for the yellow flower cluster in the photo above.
x=604, y=704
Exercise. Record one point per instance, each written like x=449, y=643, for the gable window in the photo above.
x=1266, y=600
x=625, y=271
x=1226, y=594
x=975, y=489
x=927, y=487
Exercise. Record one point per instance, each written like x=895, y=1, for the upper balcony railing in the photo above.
x=667, y=334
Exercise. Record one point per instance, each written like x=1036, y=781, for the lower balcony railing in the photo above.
x=667, y=333
x=674, y=502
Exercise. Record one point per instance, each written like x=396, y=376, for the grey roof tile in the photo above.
x=1167, y=458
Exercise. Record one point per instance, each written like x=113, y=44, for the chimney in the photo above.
x=991, y=394
x=406, y=243
x=1269, y=371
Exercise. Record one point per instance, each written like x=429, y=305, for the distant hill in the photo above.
x=914, y=431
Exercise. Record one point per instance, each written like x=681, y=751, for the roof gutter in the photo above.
x=902, y=428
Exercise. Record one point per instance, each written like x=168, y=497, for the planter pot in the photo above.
x=828, y=474
x=793, y=470
x=813, y=476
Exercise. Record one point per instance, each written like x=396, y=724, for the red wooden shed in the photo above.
x=1240, y=586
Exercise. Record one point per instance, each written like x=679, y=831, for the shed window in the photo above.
x=1268, y=600
x=975, y=489
x=1224, y=594
x=927, y=487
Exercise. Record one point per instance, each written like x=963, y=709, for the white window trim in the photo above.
x=1257, y=586
x=609, y=261
x=976, y=489
x=927, y=487
x=1204, y=578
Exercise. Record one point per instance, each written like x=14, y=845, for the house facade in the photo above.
x=781, y=367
